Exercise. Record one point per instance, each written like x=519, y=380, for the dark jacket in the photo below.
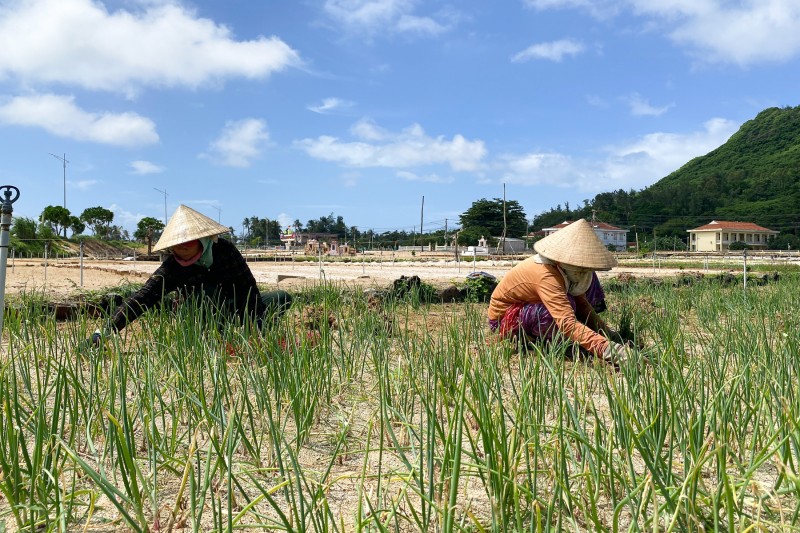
x=229, y=282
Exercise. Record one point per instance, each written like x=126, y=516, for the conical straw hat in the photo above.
x=187, y=225
x=576, y=245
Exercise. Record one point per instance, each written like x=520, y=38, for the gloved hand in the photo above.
x=615, y=336
x=616, y=353
x=94, y=341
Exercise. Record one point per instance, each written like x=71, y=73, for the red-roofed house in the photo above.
x=718, y=235
x=609, y=235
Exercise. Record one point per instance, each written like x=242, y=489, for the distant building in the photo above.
x=718, y=235
x=510, y=245
x=304, y=237
x=609, y=235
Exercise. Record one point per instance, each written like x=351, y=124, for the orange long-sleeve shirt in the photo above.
x=530, y=283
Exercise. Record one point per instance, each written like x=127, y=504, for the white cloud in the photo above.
x=554, y=51
x=145, y=167
x=636, y=164
x=421, y=25
x=240, y=143
x=542, y=168
x=429, y=178
x=744, y=32
x=749, y=32
x=598, y=8
x=83, y=185
x=285, y=220
x=83, y=43
x=330, y=104
x=350, y=179
x=641, y=107
x=409, y=148
x=381, y=16
x=557, y=4
x=653, y=156
x=367, y=130
x=596, y=101
x=60, y=116
x=125, y=218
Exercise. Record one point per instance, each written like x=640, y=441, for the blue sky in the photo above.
x=297, y=109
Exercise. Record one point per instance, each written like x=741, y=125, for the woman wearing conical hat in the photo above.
x=546, y=293
x=201, y=264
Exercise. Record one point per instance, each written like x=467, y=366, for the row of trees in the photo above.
x=483, y=218
x=491, y=219
x=97, y=218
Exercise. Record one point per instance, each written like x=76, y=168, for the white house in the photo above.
x=717, y=236
x=609, y=235
x=509, y=245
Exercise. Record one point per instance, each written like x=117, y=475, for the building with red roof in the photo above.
x=718, y=235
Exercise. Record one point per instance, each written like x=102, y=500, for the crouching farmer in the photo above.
x=546, y=294
x=201, y=264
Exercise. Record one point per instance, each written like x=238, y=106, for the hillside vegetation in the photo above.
x=753, y=177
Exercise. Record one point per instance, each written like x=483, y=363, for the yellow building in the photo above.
x=718, y=235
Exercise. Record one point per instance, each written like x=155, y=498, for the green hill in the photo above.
x=753, y=177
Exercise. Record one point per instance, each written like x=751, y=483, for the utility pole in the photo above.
x=421, y=215
x=164, y=192
x=219, y=212
x=64, y=165
x=503, y=239
x=528, y=224
x=655, y=244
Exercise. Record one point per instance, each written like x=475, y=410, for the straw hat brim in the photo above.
x=577, y=245
x=187, y=225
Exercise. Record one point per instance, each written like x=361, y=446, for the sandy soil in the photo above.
x=64, y=278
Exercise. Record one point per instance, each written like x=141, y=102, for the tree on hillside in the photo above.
x=489, y=214
x=148, y=229
x=99, y=219
x=785, y=241
x=76, y=225
x=24, y=228
x=45, y=233
x=58, y=217
x=117, y=233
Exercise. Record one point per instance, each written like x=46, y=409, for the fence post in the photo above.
x=744, y=266
x=81, y=262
